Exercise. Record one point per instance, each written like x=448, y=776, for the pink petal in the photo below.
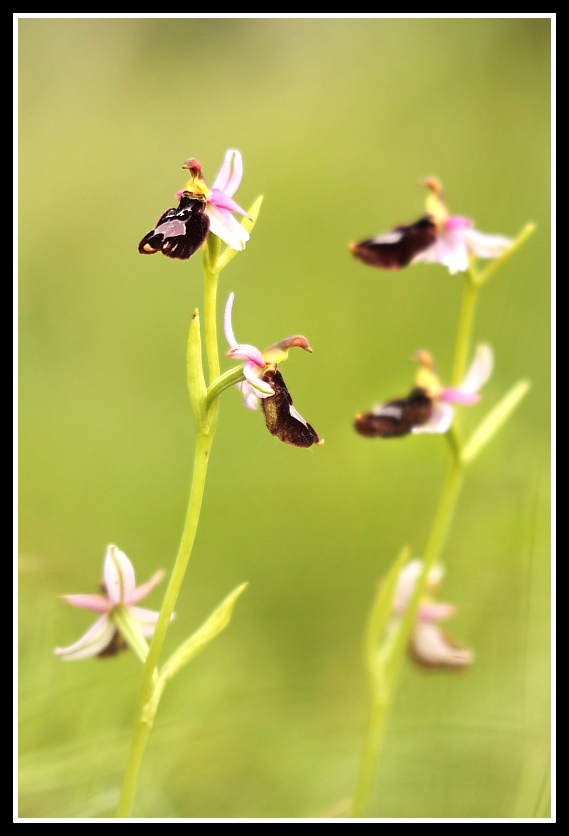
x=250, y=396
x=230, y=173
x=119, y=576
x=458, y=396
x=458, y=222
x=142, y=591
x=222, y=201
x=433, y=648
x=433, y=611
x=91, y=643
x=452, y=251
x=97, y=603
x=243, y=351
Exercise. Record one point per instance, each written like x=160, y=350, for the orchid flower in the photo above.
x=182, y=230
x=436, y=237
x=428, y=408
x=253, y=387
x=465, y=395
x=104, y=637
x=429, y=645
x=263, y=382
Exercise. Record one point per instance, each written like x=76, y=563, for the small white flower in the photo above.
x=103, y=638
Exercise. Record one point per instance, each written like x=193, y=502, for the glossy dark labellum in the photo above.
x=396, y=418
x=179, y=232
x=281, y=417
x=396, y=249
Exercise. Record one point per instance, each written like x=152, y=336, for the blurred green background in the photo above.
x=337, y=120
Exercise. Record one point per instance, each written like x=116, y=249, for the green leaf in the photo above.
x=188, y=650
x=494, y=421
x=498, y=263
x=381, y=613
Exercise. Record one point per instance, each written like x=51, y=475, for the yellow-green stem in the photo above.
x=376, y=721
x=384, y=688
x=143, y=722
x=210, y=304
x=383, y=679
x=465, y=329
x=144, y=714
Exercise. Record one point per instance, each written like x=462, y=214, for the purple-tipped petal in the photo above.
x=96, y=639
x=230, y=173
x=119, y=577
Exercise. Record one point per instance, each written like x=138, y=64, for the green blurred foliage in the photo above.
x=337, y=120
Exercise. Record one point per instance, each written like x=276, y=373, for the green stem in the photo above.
x=465, y=328
x=385, y=670
x=143, y=722
x=224, y=381
x=376, y=722
x=497, y=264
x=384, y=680
x=146, y=706
x=131, y=632
x=211, y=277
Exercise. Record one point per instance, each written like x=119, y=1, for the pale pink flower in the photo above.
x=121, y=593
x=430, y=645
